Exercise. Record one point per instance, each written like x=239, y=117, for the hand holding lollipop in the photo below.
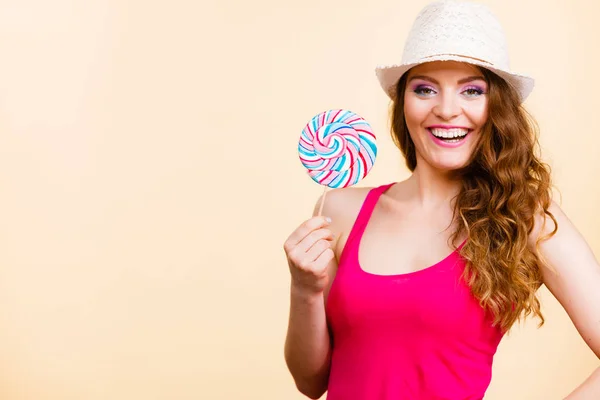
x=338, y=148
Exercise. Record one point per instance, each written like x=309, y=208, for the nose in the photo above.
x=447, y=107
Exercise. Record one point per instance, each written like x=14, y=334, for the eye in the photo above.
x=473, y=91
x=424, y=90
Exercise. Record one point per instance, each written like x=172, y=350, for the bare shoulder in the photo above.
x=342, y=206
x=340, y=203
x=561, y=245
x=570, y=271
x=545, y=224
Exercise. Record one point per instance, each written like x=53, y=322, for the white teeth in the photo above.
x=449, y=133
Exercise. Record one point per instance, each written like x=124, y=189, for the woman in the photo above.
x=404, y=291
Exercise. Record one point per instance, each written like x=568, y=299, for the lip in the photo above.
x=441, y=126
x=447, y=145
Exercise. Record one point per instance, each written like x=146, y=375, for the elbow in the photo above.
x=311, y=390
x=311, y=382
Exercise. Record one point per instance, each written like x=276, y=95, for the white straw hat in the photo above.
x=457, y=31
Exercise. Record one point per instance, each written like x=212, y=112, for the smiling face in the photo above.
x=445, y=108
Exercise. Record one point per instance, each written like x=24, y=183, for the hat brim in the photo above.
x=388, y=75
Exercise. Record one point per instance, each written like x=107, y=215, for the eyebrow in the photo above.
x=464, y=80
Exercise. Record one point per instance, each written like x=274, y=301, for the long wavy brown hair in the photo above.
x=504, y=186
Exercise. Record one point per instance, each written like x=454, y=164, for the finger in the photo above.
x=317, y=249
x=310, y=240
x=309, y=262
x=298, y=254
x=321, y=263
x=306, y=228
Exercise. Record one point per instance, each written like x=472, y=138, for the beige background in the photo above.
x=149, y=176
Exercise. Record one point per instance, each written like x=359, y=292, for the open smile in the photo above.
x=451, y=136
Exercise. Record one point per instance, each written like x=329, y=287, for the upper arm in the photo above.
x=571, y=273
x=342, y=206
x=331, y=208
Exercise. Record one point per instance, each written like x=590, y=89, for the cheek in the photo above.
x=477, y=112
x=415, y=111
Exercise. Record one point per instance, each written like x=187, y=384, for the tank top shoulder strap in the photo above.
x=364, y=214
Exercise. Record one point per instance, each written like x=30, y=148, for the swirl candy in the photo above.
x=338, y=148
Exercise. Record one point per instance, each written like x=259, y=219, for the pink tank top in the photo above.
x=412, y=336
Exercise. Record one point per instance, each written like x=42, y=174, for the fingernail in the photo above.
x=328, y=220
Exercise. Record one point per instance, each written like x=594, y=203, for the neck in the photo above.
x=433, y=188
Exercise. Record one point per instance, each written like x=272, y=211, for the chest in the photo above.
x=403, y=242
x=428, y=303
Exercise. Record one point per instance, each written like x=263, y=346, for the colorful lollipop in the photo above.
x=338, y=147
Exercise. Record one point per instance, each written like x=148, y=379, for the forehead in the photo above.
x=445, y=68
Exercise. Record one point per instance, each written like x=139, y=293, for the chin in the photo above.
x=450, y=165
